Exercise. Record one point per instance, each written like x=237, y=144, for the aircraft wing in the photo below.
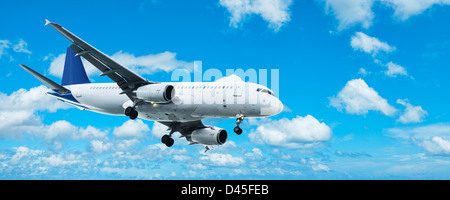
x=125, y=78
x=184, y=128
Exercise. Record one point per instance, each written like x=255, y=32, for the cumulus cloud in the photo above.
x=220, y=159
x=358, y=98
x=146, y=64
x=315, y=165
x=275, y=12
x=436, y=146
x=33, y=99
x=433, y=138
x=17, y=110
x=99, y=146
x=255, y=153
x=404, y=9
x=371, y=45
x=351, y=12
x=394, y=70
x=299, y=132
x=158, y=130
x=132, y=129
x=151, y=63
x=412, y=114
x=23, y=152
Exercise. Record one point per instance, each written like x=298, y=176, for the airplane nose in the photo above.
x=280, y=106
x=276, y=107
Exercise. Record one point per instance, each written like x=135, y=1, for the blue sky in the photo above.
x=364, y=83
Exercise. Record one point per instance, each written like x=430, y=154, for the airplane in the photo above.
x=178, y=105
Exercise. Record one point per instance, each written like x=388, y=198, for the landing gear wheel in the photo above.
x=134, y=115
x=131, y=112
x=167, y=140
x=237, y=130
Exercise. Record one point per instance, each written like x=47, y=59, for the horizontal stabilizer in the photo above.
x=49, y=83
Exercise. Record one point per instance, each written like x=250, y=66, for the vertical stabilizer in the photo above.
x=74, y=72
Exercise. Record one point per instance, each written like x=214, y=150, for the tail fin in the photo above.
x=74, y=72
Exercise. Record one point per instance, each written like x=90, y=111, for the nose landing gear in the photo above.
x=239, y=120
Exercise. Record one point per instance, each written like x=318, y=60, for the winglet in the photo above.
x=47, y=22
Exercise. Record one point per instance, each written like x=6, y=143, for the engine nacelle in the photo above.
x=209, y=136
x=157, y=93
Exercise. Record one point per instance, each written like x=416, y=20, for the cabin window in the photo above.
x=265, y=91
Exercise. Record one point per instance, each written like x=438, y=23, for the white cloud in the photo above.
x=21, y=153
x=149, y=64
x=219, y=159
x=198, y=166
x=370, y=45
x=412, y=114
x=99, y=146
x=436, y=146
x=358, y=98
x=351, y=12
x=18, y=116
x=158, y=130
x=17, y=111
x=131, y=129
x=404, y=9
x=255, y=153
x=275, y=12
x=4, y=44
x=90, y=132
x=58, y=130
x=299, y=132
x=146, y=64
x=33, y=99
x=21, y=47
x=12, y=123
x=421, y=132
x=363, y=72
x=395, y=69
x=433, y=138
x=57, y=160
x=314, y=165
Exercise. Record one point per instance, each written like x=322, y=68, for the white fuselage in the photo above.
x=192, y=101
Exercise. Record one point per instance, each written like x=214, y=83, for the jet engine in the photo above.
x=209, y=136
x=156, y=93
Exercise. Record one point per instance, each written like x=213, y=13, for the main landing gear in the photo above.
x=131, y=112
x=239, y=120
x=167, y=140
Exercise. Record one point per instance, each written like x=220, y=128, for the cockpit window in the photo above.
x=265, y=91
